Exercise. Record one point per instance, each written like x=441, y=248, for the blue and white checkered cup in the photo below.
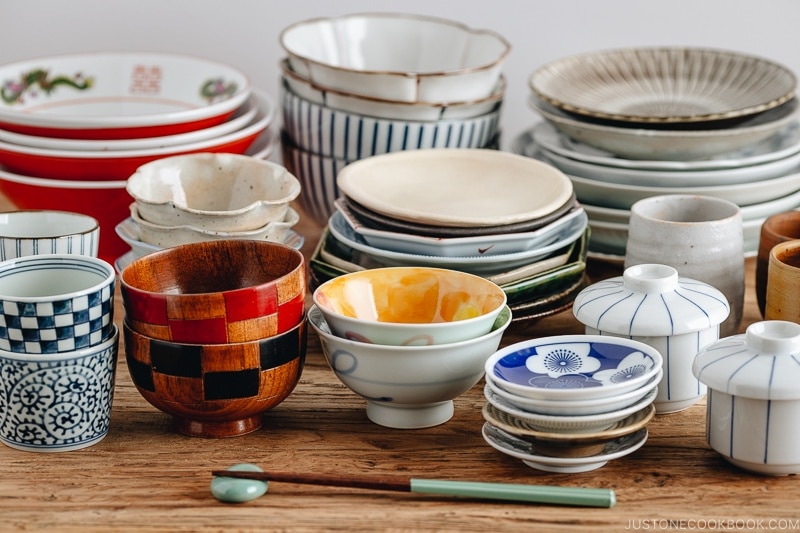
x=34, y=232
x=55, y=303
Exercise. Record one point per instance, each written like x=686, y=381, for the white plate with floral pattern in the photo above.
x=573, y=367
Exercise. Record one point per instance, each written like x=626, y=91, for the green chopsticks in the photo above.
x=556, y=495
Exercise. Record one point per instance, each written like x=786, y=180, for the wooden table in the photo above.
x=146, y=477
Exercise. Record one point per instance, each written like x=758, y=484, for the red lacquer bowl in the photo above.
x=215, y=292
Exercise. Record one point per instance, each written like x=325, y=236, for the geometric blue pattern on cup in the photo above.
x=59, y=326
x=57, y=405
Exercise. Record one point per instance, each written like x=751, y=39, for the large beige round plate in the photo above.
x=456, y=187
x=663, y=85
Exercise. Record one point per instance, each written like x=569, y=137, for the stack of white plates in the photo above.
x=716, y=129
x=522, y=228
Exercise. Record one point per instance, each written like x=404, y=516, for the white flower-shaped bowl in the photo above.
x=214, y=192
x=166, y=236
x=405, y=57
x=571, y=367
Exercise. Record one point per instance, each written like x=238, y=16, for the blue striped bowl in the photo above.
x=340, y=134
x=34, y=232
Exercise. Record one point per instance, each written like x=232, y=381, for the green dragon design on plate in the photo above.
x=216, y=89
x=14, y=91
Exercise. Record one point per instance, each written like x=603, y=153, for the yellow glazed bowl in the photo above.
x=409, y=305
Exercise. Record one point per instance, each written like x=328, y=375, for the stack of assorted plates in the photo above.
x=347, y=92
x=632, y=123
x=508, y=218
x=570, y=403
x=74, y=127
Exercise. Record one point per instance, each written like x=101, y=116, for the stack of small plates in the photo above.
x=522, y=228
x=570, y=403
x=716, y=129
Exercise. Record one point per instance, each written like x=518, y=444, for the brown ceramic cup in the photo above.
x=783, y=282
x=776, y=229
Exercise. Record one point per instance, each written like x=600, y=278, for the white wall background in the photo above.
x=245, y=33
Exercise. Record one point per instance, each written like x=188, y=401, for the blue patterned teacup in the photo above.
x=57, y=402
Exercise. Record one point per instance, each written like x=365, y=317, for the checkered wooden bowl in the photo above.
x=216, y=390
x=54, y=303
x=215, y=292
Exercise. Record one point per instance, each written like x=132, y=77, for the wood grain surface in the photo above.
x=144, y=476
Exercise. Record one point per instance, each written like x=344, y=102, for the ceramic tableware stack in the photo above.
x=215, y=331
x=372, y=83
x=74, y=127
x=507, y=218
x=409, y=340
x=207, y=196
x=632, y=123
x=58, y=351
x=570, y=403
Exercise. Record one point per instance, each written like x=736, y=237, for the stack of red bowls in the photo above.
x=74, y=127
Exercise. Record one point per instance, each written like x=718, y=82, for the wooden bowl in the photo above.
x=216, y=390
x=215, y=292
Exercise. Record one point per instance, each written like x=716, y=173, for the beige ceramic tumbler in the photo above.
x=699, y=236
x=783, y=282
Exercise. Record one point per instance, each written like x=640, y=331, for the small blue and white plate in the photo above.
x=573, y=367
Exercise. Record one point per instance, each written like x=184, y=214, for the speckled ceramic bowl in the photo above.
x=216, y=192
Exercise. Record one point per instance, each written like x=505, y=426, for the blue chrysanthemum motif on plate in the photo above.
x=633, y=366
x=574, y=366
x=560, y=359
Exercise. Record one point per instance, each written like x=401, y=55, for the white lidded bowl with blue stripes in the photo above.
x=753, y=400
x=676, y=315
